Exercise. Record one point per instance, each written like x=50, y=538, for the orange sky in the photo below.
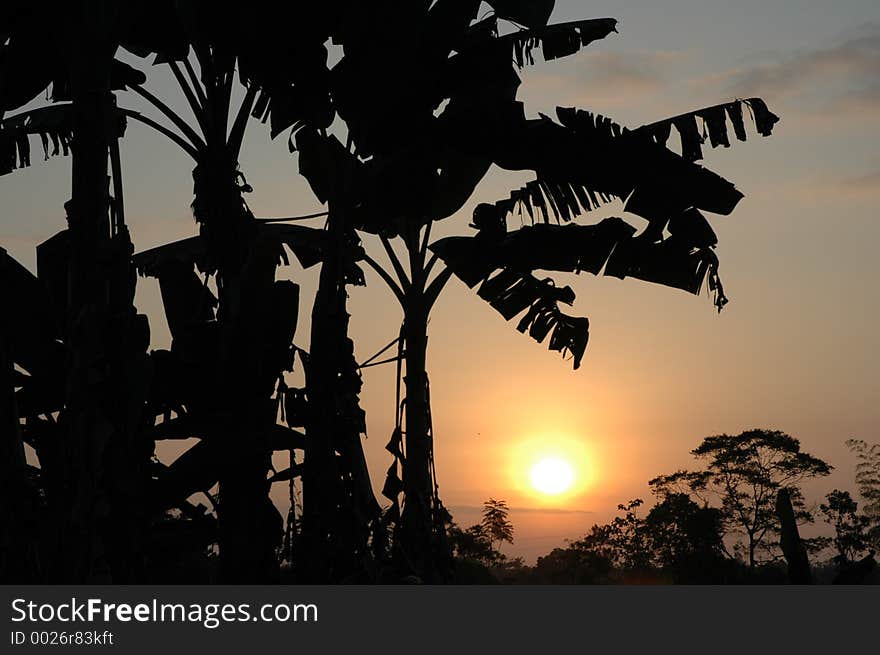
x=795, y=349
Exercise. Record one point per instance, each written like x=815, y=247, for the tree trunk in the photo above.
x=106, y=458
x=88, y=530
x=250, y=526
x=250, y=361
x=423, y=540
x=418, y=488
x=790, y=541
x=338, y=502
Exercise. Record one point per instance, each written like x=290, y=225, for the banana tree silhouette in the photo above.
x=339, y=505
x=97, y=383
x=232, y=243
x=676, y=248
x=400, y=175
x=232, y=360
x=437, y=120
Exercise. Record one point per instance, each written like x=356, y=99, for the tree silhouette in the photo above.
x=868, y=482
x=97, y=499
x=436, y=120
x=746, y=471
x=685, y=538
x=397, y=174
x=495, y=521
x=241, y=252
x=285, y=85
x=473, y=543
x=840, y=512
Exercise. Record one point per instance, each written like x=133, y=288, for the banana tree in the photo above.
x=231, y=238
x=286, y=86
x=230, y=351
x=70, y=47
x=436, y=121
x=675, y=249
x=405, y=175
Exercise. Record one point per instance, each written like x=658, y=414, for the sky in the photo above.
x=795, y=350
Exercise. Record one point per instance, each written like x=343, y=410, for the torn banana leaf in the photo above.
x=693, y=127
x=195, y=470
x=559, y=40
x=52, y=124
x=289, y=473
x=503, y=267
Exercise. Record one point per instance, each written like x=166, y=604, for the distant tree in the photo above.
x=745, y=472
x=868, y=481
x=840, y=511
x=495, y=521
x=573, y=565
x=622, y=543
x=685, y=538
x=473, y=543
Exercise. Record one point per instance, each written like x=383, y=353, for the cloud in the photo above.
x=830, y=189
x=609, y=78
x=828, y=82
x=628, y=73
x=859, y=185
x=525, y=510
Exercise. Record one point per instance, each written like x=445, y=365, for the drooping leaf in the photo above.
x=393, y=485
x=306, y=243
x=53, y=123
x=186, y=299
x=561, y=201
x=503, y=265
x=714, y=121
x=283, y=438
x=284, y=475
x=558, y=40
x=186, y=251
x=195, y=470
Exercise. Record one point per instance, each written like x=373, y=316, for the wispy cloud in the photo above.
x=525, y=510
x=813, y=190
x=859, y=185
x=609, y=78
x=829, y=82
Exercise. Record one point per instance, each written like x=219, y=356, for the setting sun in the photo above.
x=551, y=470
x=552, y=475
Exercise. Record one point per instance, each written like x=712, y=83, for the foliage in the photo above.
x=478, y=541
x=840, y=511
x=495, y=521
x=685, y=538
x=474, y=543
x=745, y=472
x=868, y=482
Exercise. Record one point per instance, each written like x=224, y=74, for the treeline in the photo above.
x=724, y=523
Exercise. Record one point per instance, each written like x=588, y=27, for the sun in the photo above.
x=552, y=476
x=551, y=469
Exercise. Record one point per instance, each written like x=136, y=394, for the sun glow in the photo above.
x=551, y=470
x=552, y=476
